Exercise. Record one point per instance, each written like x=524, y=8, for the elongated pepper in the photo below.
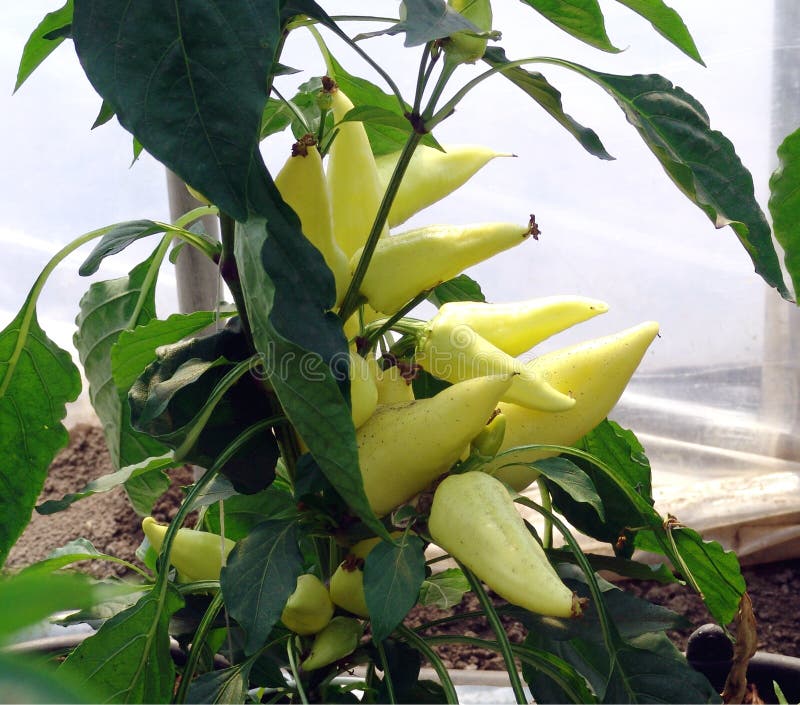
x=517, y=327
x=474, y=519
x=409, y=263
x=596, y=373
x=402, y=448
x=301, y=183
x=431, y=175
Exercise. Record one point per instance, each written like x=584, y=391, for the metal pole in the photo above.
x=197, y=276
x=780, y=385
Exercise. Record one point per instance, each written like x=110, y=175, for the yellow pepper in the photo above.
x=363, y=391
x=405, y=447
x=474, y=519
x=409, y=263
x=347, y=581
x=393, y=387
x=595, y=373
x=196, y=555
x=301, y=183
x=309, y=608
x=431, y=175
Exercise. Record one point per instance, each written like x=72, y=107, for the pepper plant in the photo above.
x=342, y=438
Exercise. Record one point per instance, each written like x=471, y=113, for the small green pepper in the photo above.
x=337, y=640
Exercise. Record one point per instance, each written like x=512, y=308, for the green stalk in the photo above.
x=197, y=643
x=297, y=114
x=425, y=67
x=423, y=646
x=547, y=503
x=33, y=297
x=387, y=676
x=291, y=652
x=500, y=632
x=351, y=298
x=149, y=279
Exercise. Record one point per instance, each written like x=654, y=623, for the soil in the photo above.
x=111, y=525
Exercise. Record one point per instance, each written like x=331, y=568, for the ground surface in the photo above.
x=109, y=523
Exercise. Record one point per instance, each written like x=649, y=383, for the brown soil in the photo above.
x=111, y=525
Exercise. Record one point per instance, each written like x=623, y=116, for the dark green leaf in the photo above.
x=549, y=98
x=426, y=385
x=715, y=571
x=656, y=672
x=382, y=139
x=39, y=46
x=304, y=382
x=110, y=481
x=261, y=573
x=393, y=574
x=427, y=20
x=784, y=204
x=582, y=19
x=572, y=480
x=621, y=566
x=128, y=659
x=461, y=288
x=623, y=485
x=700, y=161
x=27, y=680
x=105, y=114
x=403, y=663
x=34, y=595
x=444, y=589
x=116, y=239
x=37, y=379
x=106, y=310
x=550, y=678
x=244, y=512
x=228, y=685
x=161, y=67
x=276, y=118
x=667, y=23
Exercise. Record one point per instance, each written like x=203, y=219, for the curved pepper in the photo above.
x=517, y=327
x=355, y=188
x=596, y=373
x=339, y=639
x=474, y=519
x=405, y=447
x=309, y=608
x=301, y=183
x=197, y=555
x=431, y=175
x=409, y=263
x=363, y=391
x=453, y=352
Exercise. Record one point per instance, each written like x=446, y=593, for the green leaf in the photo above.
x=160, y=67
x=461, y=288
x=445, y=589
x=34, y=595
x=582, y=19
x=244, y=512
x=107, y=309
x=700, y=161
x=403, y=663
x=278, y=297
x=144, y=490
x=621, y=566
x=261, y=573
x=549, y=98
x=136, y=349
x=667, y=23
x=550, y=678
x=27, y=680
x=572, y=480
x=426, y=385
x=39, y=45
x=382, y=138
x=104, y=115
x=393, y=574
x=110, y=481
x=116, y=239
x=276, y=117
x=784, y=204
x=128, y=659
x=37, y=379
x=715, y=571
x=228, y=685
x=623, y=484
x=427, y=20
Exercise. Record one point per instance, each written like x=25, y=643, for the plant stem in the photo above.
x=424, y=648
x=547, y=538
x=425, y=67
x=197, y=643
x=500, y=633
x=297, y=114
x=387, y=676
x=292, y=654
x=351, y=298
